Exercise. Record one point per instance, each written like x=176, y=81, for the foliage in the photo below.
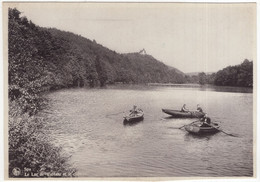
x=202, y=78
x=32, y=71
x=211, y=78
x=30, y=148
x=102, y=74
x=148, y=69
x=239, y=75
x=47, y=59
x=27, y=77
x=106, y=66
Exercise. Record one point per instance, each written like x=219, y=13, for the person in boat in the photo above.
x=135, y=111
x=199, y=109
x=184, y=109
x=205, y=121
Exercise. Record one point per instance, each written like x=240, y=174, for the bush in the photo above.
x=30, y=149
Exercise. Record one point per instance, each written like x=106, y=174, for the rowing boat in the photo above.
x=134, y=116
x=197, y=129
x=180, y=114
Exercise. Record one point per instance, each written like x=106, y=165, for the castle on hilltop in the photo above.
x=143, y=52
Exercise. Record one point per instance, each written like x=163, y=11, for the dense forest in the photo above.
x=239, y=75
x=101, y=66
x=45, y=59
x=31, y=70
x=42, y=59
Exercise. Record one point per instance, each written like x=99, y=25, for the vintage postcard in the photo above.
x=130, y=91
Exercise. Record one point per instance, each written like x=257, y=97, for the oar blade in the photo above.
x=229, y=134
x=233, y=135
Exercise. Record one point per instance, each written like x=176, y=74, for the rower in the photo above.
x=184, y=109
x=206, y=121
x=199, y=109
x=134, y=110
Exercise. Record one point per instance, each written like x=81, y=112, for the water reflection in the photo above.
x=133, y=122
x=216, y=88
x=153, y=146
x=169, y=118
x=232, y=89
x=207, y=136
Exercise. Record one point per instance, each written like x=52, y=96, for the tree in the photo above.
x=202, y=78
x=102, y=74
x=238, y=75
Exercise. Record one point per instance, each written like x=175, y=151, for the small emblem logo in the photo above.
x=16, y=171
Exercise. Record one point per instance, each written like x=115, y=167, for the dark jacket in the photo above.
x=206, y=122
x=183, y=109
x=199, y=109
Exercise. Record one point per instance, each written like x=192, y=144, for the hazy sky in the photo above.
x=191, y=37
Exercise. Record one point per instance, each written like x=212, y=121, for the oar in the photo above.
x=188, y=124
x=115, y=113
x=221, y=130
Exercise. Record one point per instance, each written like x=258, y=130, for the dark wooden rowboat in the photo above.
x=134, y=117
x=180, y=114
x=198, y=130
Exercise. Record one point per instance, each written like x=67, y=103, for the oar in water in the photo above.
x=115, y=113
x=221, y=130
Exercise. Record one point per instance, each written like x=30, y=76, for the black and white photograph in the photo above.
x=135, y=91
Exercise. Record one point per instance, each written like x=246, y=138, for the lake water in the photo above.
x=88, y=123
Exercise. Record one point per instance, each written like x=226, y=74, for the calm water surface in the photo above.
x=88, y=123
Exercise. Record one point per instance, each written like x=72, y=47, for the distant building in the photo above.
x=143, y=52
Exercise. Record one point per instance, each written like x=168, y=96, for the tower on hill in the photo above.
x=143, y=52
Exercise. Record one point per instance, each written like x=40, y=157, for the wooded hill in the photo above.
x=239, y=75
x=72, y=60
x=101, y=65
x=43, y=59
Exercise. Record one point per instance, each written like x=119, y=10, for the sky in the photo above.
x=190, y=37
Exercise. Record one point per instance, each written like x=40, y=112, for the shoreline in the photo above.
x=205, y=87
